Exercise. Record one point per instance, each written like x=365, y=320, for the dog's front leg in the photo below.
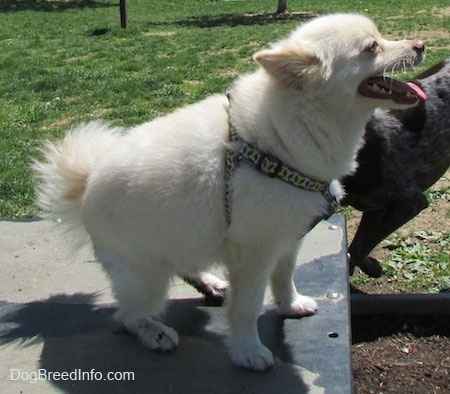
x=247, y=286
x=290, y=303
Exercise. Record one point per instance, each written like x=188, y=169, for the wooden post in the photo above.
x=123, y=14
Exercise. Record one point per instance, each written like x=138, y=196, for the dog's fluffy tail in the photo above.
x=63, y=174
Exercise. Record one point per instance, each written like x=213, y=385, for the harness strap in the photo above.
x=269, y=166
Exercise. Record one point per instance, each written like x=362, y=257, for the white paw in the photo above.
x=257, y=358
x=302, y=306
x=154, y=335
x=214, y=289
x=214, y=286
x=218, y=284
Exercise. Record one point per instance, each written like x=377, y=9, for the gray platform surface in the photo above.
x=56, y=316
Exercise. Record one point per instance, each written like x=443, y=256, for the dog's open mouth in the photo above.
x=385, y=88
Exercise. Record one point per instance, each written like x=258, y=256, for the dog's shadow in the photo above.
x=233, y=20
x=78, y=335
x=50, y=6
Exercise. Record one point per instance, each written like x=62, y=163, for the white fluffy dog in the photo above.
x=151, y=199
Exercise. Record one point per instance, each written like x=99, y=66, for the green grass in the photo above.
x=420, y=261
x=65, y=61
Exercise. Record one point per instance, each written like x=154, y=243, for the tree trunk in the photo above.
x=282, y=6
x=123, y=14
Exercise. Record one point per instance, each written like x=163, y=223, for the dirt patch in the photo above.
x=159, y=33
x=402, y=364
x=443, y=12
x=58, y=123
x=408, y=354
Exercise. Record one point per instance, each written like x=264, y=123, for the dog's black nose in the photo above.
x=419, y=47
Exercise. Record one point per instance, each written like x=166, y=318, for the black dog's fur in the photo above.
x=406, y=151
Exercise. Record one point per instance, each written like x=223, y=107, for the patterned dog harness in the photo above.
x=272, y=167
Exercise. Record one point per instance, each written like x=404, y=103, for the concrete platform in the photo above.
x=56, y=319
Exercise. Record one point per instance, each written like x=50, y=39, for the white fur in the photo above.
x=152, y=199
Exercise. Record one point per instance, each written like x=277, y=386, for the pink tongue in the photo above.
x=418, y=90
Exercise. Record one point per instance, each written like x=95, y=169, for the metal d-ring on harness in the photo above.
x=270, y=166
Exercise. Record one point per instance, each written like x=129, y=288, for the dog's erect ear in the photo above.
x=291, y=66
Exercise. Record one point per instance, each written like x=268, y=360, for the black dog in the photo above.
x=405, y=153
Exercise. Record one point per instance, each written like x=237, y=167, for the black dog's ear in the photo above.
x=291, y=65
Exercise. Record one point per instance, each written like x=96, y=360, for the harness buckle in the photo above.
x=268, y=165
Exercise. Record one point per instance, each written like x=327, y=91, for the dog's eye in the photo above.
x=372, y=47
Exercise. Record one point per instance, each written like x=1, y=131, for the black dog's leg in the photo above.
x=377, y=225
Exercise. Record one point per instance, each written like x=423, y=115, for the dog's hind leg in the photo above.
x=141, y=292
x=213, y=288
x=378, y=224
x=290, y=302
